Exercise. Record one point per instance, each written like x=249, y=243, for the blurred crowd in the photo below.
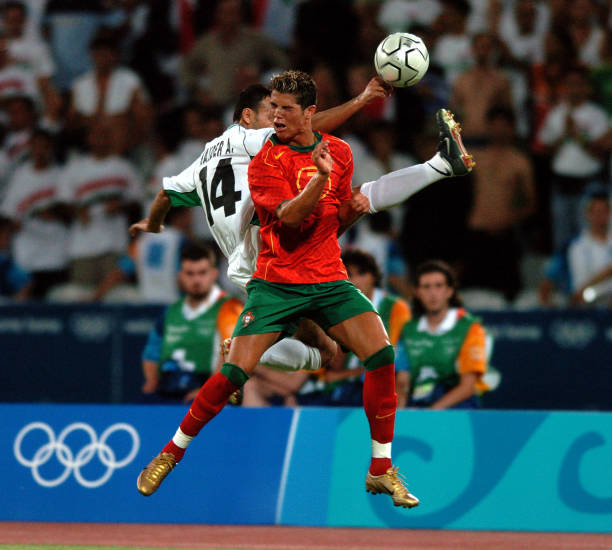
x=101, y=99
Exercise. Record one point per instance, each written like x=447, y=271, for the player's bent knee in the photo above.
x=235, y=374
x=384, y=356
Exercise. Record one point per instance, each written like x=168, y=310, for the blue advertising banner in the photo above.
x=500, y=470
x=80, y=463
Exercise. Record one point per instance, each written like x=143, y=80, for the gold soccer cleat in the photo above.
x=451, y=147
x=391, y=484
x=156, y=471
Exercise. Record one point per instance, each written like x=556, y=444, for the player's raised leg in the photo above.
x=243, y=356
x=365, y=335
x=451, y=160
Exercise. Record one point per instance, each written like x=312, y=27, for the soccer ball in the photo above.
x=401, y=59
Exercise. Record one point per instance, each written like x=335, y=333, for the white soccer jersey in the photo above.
x=218, y=181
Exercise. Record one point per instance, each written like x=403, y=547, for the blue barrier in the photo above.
x=535, y=471
x=91, y=354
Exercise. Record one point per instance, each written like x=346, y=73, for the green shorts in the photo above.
x=278, y=307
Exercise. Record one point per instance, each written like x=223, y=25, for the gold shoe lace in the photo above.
x=398, y=481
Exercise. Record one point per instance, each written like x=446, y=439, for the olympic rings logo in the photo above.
x=58, y=448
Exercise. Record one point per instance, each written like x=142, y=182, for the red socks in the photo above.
x=380, y=404
x=209, y=402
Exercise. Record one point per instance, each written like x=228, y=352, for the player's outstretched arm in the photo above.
x=153, y=224
x=294, y=211
x=328, y=120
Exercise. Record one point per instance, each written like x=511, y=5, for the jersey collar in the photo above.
x=299, y=148
x=191, y=313
x=449, y=322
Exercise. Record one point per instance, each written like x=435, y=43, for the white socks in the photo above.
x=381, y=450
x=181, y=440
x=395, y=187
x=291, y=355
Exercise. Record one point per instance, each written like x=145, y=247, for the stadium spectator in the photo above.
x=104, y=191
x=32, y=203
x=21, y=120
x=153, y=262
x=15, y=81
x=441, y=354
x=492, y=85
x=504, y=196
x=70, y=27
x=32, y=54
x=547, y=82
x=587, y=259
x=451, y=50
x=220, y=54
x=576, y=134
x=182, y=349
x=15, y=282
x=585, y=31
x=110, y=90
x=522, y=26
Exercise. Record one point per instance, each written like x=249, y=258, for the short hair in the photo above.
x=436, y=266
x=198, y=251
x=364, y=262
x=297, y=83
x=250, y=98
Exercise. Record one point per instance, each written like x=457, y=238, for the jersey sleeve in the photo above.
x=269, y=188
x=255, y=139
x=182, y=188
x=228, y=317
x=400, y=315
x=472, y=355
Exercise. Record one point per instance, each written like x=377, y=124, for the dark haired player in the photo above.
x=288, y=224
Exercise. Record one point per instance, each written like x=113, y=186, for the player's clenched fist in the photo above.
x=322, y=159
x=377, y=88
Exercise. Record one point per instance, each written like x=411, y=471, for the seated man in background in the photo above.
x=154, y=260
x=182, y=350
x=441, y=356
x=587, y=259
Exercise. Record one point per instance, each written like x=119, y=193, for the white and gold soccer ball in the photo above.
x=401, y=59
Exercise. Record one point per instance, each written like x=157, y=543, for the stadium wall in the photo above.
x=499, y=470
x=91, y=354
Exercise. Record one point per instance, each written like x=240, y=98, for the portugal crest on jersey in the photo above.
x=247, y=318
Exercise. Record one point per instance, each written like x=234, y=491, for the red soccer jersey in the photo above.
x=309, y=253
